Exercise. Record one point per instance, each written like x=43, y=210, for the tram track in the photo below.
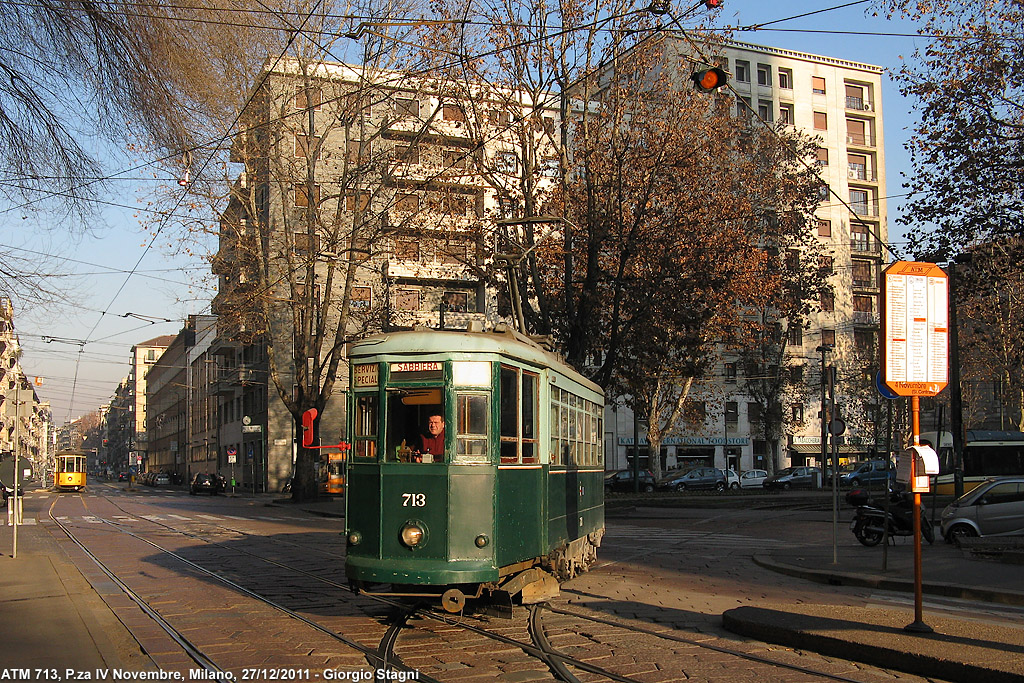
x=385, y=655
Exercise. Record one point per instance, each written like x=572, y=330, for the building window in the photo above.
x=455, y=159
x=828, y=338
x=361, y=297
x=856, y=133
x=409, y=154
x=304, y=243
x=453, y=112
x=456, y=302
x=742, y=71
x=860, y=237
x=302, y=196
x=407, y=106
x=859, y=201
x=407, y=250
x=786, y=114
x=858, y=166
x=818, y=85
x=862, y=274
x=730, y=372
x=407, y=300
x=732, y=412
x=828, y=302
x=357, y=153
x=764, y=75
x=786, y=79
x=822, y=155
x=314, y=99
x=796, y=374
x=743, y=106
x=364, y=201
x=754, y=413
x=407, y=202
x=764, y=110
x=824, y=228
x=864, y=340
x=302, y=145
x=795, y=336
x=863, y=304
x=855, y=97
x=820, y=120
x=796, y=412
x=825, y=264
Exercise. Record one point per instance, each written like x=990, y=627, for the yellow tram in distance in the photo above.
x=69, y=474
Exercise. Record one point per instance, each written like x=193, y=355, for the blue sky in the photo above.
x=115, y=311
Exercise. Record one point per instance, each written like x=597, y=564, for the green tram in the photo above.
x=507, y=500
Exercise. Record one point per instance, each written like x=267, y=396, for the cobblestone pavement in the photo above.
x=649, y=611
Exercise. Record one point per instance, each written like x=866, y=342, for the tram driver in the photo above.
x=431, y=443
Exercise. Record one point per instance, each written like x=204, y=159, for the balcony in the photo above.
x=862, y=243
x=865, y=208
x=859, y=172
x=860, y=140
x=859, y=104
x=865, y=319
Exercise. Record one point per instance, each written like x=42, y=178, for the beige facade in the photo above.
x=840, y=102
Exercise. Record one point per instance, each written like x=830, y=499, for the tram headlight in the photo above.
x=354, y=538
x=412, y=534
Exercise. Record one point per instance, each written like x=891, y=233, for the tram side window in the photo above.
x=518, y=415
x=509, y=414
x=471, y=433
x=365, y=445
x=575, y=430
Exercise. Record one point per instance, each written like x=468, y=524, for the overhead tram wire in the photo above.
x=856, y=217
x=216, y=141
x=181, y=198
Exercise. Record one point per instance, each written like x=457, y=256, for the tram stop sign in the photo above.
x=915, y=328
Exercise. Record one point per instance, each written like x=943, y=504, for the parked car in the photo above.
x=623, y=481
x=869, y=472
x=204, y=482
x=793, y=477
x=732, y=480
x=993, y=508
x=161, y=479
x=753, y=479
x=695, y=479
x=122, y=476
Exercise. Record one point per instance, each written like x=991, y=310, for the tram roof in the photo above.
x=501, y=340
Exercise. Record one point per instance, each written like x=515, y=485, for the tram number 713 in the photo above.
x=414, y=500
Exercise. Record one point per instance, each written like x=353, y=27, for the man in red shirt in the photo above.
x=433, y=441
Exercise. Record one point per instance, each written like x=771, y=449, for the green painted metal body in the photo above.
x=478, y=517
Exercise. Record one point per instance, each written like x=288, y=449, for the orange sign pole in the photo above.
x=915, y=363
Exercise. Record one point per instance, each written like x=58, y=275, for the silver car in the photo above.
x=994, y=508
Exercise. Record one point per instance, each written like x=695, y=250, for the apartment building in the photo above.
x=382, y=182
x=840, y=102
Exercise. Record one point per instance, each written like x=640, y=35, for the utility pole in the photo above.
x=823, y=349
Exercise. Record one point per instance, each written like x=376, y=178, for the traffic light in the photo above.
x=707, y=80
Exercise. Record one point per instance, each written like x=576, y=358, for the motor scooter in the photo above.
x=869, y=522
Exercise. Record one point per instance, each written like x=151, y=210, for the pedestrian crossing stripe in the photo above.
x=620, y=534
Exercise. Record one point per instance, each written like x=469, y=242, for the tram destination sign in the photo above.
x=915, y=328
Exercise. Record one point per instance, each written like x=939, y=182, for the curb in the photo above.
x=836, y=578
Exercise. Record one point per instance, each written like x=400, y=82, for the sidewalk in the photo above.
x=960, y=649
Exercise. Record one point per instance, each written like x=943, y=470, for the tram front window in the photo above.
x=415, y=426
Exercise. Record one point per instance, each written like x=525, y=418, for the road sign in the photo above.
x=885, y=391
x=915, y=332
